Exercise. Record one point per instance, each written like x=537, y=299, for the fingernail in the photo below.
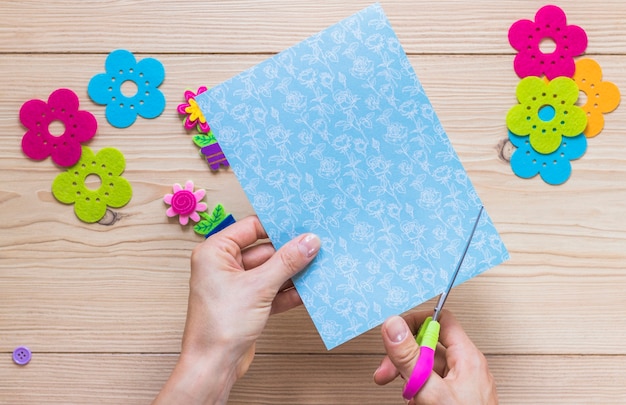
x=309, y=245
x=396, y=329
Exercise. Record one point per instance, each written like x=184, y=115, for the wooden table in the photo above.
x=102, y=307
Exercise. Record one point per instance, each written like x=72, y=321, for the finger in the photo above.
x=452, y=334
x=293, y=257
x=440, y=366
x=243, y=233
x=416, y=319
x=285, y=300
x=386, y=372
x=462, y=356
x=286, y=285
x=434, y=391
x=229, y=243
x=256, y=255
x=400, y=346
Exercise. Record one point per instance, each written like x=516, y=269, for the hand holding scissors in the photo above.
x=428, y=334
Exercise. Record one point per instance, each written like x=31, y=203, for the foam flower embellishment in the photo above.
x=602, y=97
x=194, y=118
x=211, y=150
x=202, y=140
x=554, y=168
x=550, y=26
x=185, y=202
x=76, y=185
x=546, y=112
x=64, y=147
x=214, y=156
x=128, y=88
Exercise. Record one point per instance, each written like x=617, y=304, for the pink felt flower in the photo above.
x=62, y=108
x=194, y=116
x=185, y=203
x=550, y=25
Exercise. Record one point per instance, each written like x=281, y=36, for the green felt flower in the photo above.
x=90, y=203
x=546, y=112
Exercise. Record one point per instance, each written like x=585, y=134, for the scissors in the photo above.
x=428, y=334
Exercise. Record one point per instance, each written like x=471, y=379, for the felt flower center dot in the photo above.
x=184, y=202
x=129, y=88
x=582, y=99
x=547, y=45
x=56, y=128
x=194, y=111
x=546, y=113
x=93, y=182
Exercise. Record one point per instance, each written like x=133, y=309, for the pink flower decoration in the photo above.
x=65, y=148
x=550, y=23
x=192, y=110
x=185, y=203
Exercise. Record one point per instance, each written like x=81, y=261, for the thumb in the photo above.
x=400, y=345
x=290, y=259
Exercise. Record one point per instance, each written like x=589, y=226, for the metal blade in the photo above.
x=444, y=295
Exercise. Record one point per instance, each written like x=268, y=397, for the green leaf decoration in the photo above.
x=202, y=140
x=209, y=222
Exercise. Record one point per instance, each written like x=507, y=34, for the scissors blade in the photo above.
x=444, y=295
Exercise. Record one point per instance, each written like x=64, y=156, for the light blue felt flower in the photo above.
x=128, y=88
x=554, y=168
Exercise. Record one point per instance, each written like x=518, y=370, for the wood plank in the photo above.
x=268, y=26
x=302, y=379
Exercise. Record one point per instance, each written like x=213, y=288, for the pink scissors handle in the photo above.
x=420, y=373
x=427, y=338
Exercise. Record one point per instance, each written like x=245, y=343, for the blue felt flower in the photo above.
x=128, y=88
x=554, y=168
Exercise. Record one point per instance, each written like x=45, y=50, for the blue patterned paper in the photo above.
x=336, y=136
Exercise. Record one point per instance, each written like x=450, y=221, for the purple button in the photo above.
x=21, y=355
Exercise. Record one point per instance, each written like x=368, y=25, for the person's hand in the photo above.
x=460, y=375
x=235, y=285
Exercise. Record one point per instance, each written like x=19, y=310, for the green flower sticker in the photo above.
x=210, y=224
x=90, y=204
x=202, y=140
x=559, y=116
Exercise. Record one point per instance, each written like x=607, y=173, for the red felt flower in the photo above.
x=78, y=126
x=550, y=24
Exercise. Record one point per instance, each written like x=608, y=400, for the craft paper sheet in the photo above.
x=336, y=136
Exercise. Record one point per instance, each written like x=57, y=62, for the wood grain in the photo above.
x=102, y=307
x=228, y=26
